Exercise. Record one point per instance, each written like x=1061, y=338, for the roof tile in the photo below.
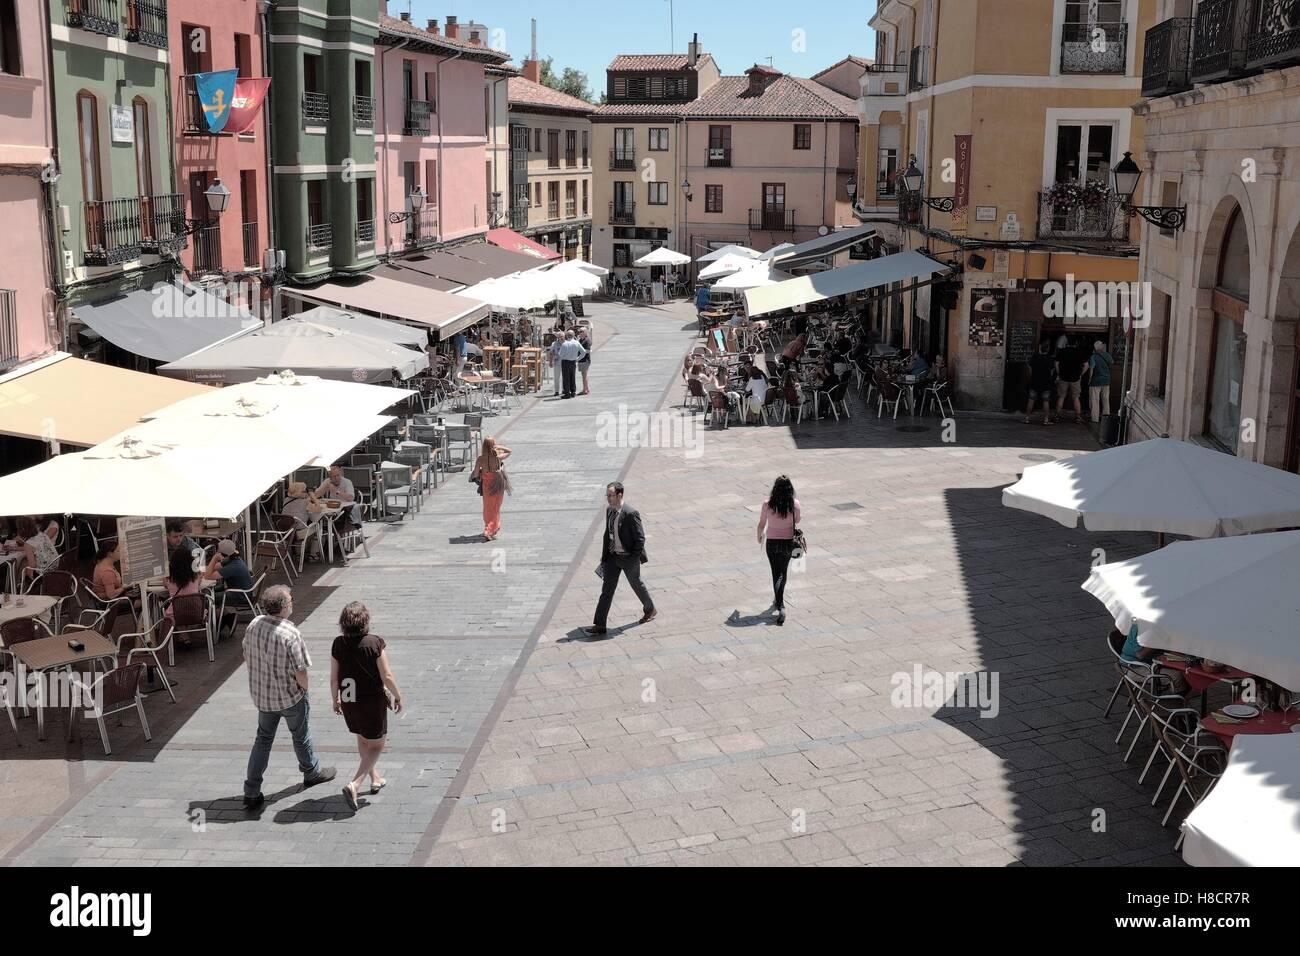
x=524, y=92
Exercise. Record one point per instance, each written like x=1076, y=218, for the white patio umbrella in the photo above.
x=1161, y=485
x=514, y=292
x=730, y=250
x=752, y=278
x=1233, y=600
x=583, y=265
x=728, y=265
x=663, y=256
x=571, y=281
x=775, y=251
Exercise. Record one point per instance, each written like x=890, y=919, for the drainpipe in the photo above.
x=437, y=69
x=383, y=105
x=267, y=133
x=826, y=154
x=496, y=155
x=50, y=188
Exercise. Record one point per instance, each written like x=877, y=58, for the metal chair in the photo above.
x=92, y=603
x=460, y=437
x=363, y=483
x=696, y=395
x=838, y=399
x=887, y=392
x=112, y=693
x=936, y=391
x=397, y=485
x=237, y=601
x=147, y=644
x=312, y=476
x=60, y=585
x=191, y=614
x=276, y=545
x=19, y=631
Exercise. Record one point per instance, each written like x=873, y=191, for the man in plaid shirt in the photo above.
x=278, y=662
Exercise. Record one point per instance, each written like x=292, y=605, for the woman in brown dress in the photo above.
x=363, y=688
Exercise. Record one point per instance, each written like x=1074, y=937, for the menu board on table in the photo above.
x=143, y=543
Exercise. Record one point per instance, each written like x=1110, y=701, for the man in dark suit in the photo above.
x=622, y=552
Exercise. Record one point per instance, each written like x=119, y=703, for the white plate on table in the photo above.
x=1241, y=711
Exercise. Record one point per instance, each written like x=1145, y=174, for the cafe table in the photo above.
x=9, y=566
x=1197, y=677
x=1268, y=722
x=479, y=379
x=34, y=605
x=52, y=653
x=218, y=531
x=493, y=353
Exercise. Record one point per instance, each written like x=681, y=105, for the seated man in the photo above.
x=919, y=365
x=177, y=539
x=230, y=568
x=303, y=507
x=341, y=489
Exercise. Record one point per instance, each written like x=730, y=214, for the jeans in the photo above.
x=621, y=564
x=268, y=722
x=778, y=556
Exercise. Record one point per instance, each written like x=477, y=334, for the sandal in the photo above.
x=376, y=787
x=350, y=795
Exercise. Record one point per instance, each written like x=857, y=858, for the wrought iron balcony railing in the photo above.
x=622, y=213
x=1219, y=40
x=366, y=232
x=553, y=210
x=252, y=246
x=363, y=112
x=720, y=156
x=1102, y=222
x=193, y=120
x=422, y=228
x=95, y=16
x=1094, y=47
x=1166, y=62
x=207, y=249
x=570, y=208
x=146, y=23
x=887, y=68
x=771, y=220
x=112, y=231
x=315, y=107
x=622, y=159
x=320, y=236
x=162, y=223
x=416, y=121
x=918, y=72
x=1274, y=35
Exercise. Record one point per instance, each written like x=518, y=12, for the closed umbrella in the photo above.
x=663, y=256
x=1161, y=485
x=1233, y=600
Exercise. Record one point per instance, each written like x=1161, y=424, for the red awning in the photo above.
x=512, y=241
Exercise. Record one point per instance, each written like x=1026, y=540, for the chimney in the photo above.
x=453, y=29
x=406, y=16
x=474, y=38
x=533, y=70
x=693, y=50
x=433, y=27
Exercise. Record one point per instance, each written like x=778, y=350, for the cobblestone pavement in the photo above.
x=709, y=736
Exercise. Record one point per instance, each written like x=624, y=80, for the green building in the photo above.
x=322, y=131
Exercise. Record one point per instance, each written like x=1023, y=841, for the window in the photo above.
x=312, y=79
x=586, y=148
x=1168, y=197
x=719, y=146
x=886, y=171
x=315, y=202
x=713, y=199
x=674, y=87
x=248, y=217
x=803, y=136
x=774, y=196
x=624, y=145
x=656, y=87
x=537, y=195
x=431, y=182
x=243, y=55
x=636, y=87
x=620, y=88
x=431, y=91
x=408, y=79
x=196, y=53
x=1094, y=13
x=10, y=52
x=1228, y=357
x=658, y=194
x=1085, y=152
x=553, y=149
x=143, y=147
x=623, y=194
x=365, y=211
x=88, y=138
x=571, y=199
x=361, y=77
x=586, y=205
x=658, y=139
x=553, y=200
x=537, y=140
x=570, y=148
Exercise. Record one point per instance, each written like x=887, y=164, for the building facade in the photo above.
x=496, y=83
x=1023, y=136
x=1216, y=362
x=433, y=129
x=28, y=319
x=551, y=168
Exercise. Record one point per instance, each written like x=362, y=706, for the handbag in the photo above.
x=800, y=545
x=477, y=481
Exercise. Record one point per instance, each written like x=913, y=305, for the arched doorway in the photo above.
x=1227, y=366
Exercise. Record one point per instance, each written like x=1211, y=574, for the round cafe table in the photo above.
x=1197, y=677
x=34, y=605
x=1269, y=722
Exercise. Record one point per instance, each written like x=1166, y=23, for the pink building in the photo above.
x=207, y=36
x=27, y=327
x=431, y=131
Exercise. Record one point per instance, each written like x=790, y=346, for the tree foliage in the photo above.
x=570, y=81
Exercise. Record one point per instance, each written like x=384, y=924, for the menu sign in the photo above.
x=143, y=544
x=1022, y=340
x=987, y=309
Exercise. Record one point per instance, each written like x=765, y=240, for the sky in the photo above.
x=802, y=38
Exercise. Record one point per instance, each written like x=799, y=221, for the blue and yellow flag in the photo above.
x=215, y=91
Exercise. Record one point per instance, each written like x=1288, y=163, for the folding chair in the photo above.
x=112, y=693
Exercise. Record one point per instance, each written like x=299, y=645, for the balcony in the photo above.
x=1101, y=222
x=570, y=160
x=416, y=118
x=252, y=246
x=519, y=218
x=146, y=23
x=1219, y=40
x=94, y=16
x=365, y=232
x=918, y=70
x=162, y=223
x=112, y=231
x=363, y=112
x=622, y=213
x=553, y=210
x=771, y=220
x=720, y=156
x=319, y=236
x=886, y=189
x=422, y=228
x=193, y=120
x=315, y=108
x=1167, y=61
x=570, y=209
x=622, y=159
x=881, y=86
x=1274, y=39
x=1094, y=48
x=207, y=249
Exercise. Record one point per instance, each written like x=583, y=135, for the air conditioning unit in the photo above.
x=272, y=259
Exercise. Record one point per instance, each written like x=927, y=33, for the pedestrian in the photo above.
x=1042, y=375
x=553, y=356
x=278, y=665
x=584, y=364
x=622, y=551
x=570, y=354
x=1099, y=364
x=1069, y=367
x=487, y=468
x=460, y=348
x=779, y=517
x=363, y=688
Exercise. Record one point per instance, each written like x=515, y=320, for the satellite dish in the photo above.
x=823, y=230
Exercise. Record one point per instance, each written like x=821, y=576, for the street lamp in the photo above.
x=218, y=198
x=1127, y=173
x=912, y=179
x=415, y=201
x=851, y=187
x=686, y=188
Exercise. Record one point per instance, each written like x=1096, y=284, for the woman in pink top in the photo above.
x=778, y=517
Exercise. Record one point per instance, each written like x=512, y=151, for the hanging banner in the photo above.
x=961, y=195
x=246, y=103
x=215, y=91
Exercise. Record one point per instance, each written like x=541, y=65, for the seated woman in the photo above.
x=722, y=383
x=182, y=579
x=756, y=387
x=107, y=579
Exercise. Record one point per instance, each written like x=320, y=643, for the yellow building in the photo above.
x=550, y=191
x=1000, y=102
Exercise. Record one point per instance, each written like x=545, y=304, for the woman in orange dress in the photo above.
x=488, y=469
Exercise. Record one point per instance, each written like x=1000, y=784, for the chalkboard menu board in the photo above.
x=1022, y=339
x=987, y=312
